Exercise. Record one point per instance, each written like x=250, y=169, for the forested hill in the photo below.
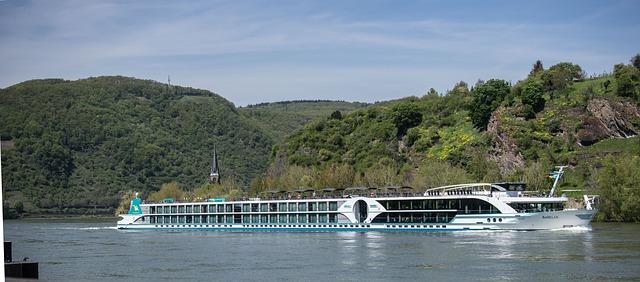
x=491, y=131
x=79, y=144
x=279, y=119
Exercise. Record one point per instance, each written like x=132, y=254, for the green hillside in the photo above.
x=492, y=131
x=280, y=119
x=73, y=145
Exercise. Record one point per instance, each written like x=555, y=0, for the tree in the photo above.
x=627, y=80
x=560, y=76
x=537, y=68
x=635, y=61
x=336, y=115
x=19, y=207
x=460, y=88
x=486, y=97
x=606, y=84
x=618, y=183
x=432, y=93
x=532, y=97
x=405, y=115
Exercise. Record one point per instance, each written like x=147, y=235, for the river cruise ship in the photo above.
x=476, y=206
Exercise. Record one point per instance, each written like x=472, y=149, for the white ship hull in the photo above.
x=482, y=222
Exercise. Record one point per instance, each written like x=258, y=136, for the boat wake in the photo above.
x=574, y=229
x=85, y=228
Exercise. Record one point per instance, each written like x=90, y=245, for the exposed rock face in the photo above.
x=606, y=119
x=504, y=150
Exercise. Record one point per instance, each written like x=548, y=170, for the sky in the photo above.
x=264, y=51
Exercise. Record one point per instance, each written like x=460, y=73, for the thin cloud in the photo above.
x=295, y=51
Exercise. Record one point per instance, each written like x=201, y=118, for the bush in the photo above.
x=532, y=97
x=619, y=185
x=627, y=80
x=405, y=115
x=486, y=99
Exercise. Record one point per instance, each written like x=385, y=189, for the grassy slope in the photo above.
x=280, y=119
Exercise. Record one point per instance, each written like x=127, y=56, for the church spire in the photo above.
x=214, y=176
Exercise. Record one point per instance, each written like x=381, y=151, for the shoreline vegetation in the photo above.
x=86, y=146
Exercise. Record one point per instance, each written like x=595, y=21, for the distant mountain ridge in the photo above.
x=73, y=145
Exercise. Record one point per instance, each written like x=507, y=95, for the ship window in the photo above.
x=180, y=209
x=333, y=206
x=302, y=218
x=245, y=208
x=255, y=218
x=282, y=218
x=313, y=218
x=494, y=220
x=282, y=207
x=292, y=207
x=417, y=205
x=332, y=218
x=322, y=206
x=228, y=208
x=474, y=206
x=273, y=218
x=302, y=207
x=273, y=207
x=264, y=208
x=500, y=219
x=322, y=218
x=530, y=207
x=292, y=218
x=189, y=209
x=313, y=206
x=264, y=218
x=488, y=219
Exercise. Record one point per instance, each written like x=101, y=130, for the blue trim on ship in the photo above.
x=304, y=229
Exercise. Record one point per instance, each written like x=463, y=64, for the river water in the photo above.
x=76, y=250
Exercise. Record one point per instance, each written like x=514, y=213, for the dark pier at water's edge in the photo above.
x=18, y=269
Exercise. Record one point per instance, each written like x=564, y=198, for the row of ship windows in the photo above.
x=229, y=208
x=300, y=226
x=273, y=218
x=465, y=206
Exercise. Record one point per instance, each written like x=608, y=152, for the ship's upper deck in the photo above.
x=514, y=191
